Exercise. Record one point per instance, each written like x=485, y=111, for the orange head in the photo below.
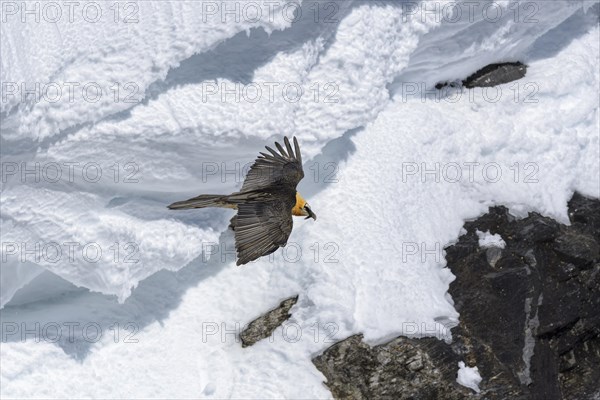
x=301, y=208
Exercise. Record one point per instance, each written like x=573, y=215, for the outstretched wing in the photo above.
x=278, y=170
x=262, y=227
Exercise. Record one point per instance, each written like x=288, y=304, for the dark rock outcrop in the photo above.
x=496, y=74
x=263, y=326
x=418, y=369
x=490, y=75
x=441, y=85
x=529, y=319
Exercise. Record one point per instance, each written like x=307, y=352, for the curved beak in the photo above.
x=310, y=213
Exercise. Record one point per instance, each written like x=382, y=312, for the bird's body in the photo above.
x=265, y=203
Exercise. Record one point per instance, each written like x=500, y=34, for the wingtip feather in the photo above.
x=281, y=150
x=288, y=146
x=275, y=154
x=297, y=147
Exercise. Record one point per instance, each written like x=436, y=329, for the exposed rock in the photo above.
x=454, y=84
x=578, y=248
x=419, y=369
x=263, y=326
x=529, y=319
x=496, y=74
x=490, y=75
x=585, y=215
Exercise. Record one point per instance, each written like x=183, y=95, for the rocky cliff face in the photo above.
x=403, y=369
x=530, y=313
x=529, y=319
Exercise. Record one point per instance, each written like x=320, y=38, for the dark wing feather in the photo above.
x=261, y=227
x=279, y=170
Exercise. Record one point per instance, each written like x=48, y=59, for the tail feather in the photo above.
x=202, y=201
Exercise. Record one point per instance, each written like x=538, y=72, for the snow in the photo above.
x=129, y=249
x=106, y=48
x=486, y=239
x=468, y=376
x=391, y=171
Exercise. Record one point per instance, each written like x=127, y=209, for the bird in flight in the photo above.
x=265, y=203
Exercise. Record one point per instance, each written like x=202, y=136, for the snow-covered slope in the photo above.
x=100, y=58
x=372, y=263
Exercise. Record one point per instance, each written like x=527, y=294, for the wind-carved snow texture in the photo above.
x=123, y=50
x=372, y=263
